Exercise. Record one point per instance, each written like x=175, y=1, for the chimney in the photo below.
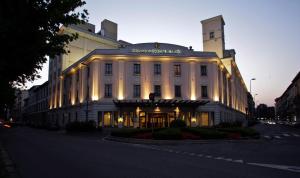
x=109, y=29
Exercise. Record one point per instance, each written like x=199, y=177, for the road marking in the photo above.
x=192, y=154
x=208, y=156
x=286, y=135
x=274, y=166
x=219, y=158
x=296, y=135
x=228, y=159
x=199, y=155
x=278, y=137
x=267, y=136
x=238, y=161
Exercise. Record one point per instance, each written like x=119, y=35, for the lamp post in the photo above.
x=254, y=98
x=87, y=93
x=250, y=84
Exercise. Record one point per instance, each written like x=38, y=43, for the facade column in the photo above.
x=192, y=81
x=95, y=80
x=61, y=91
x=121, y=74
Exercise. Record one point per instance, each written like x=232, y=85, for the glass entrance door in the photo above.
x=157, y=120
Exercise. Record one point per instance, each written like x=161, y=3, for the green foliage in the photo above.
x=29, y=29
x=167, y=134
x=177, y=123
x=81, y=126
x=230, y=124
x=206, y=133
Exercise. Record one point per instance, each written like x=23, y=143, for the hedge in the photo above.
x=245, y=132
x=167, y=134
x=206, y=133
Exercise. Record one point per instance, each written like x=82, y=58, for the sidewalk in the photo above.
x=7, y=167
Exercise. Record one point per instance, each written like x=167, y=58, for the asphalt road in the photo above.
x=52, y=154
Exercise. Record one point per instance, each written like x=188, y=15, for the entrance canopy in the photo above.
x=160, y=103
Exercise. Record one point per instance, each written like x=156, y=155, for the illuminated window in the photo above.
x=211, y=35
x=157, y=90
x=177, y=69
x=204, y=119
x=203, y=70
x=177, y=91
x=108, y=68
x=204, y=91
x=157, y=69
x=136, y=91
x=107, y=119
x=136, y=69
x=108, y=91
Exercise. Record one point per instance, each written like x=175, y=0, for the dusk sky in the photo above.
x=265, y=34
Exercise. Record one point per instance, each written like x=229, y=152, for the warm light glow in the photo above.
x=73, y=70
x=167, y=97
x=121, y=81
x=157, y=109
x=216, y=98
x=120, y=119
x=193, y=80
x=193, y=97
x=138, y=110
x=95, y=80
x=177, y=110
x=193, y=119
x=146, y=89
x=7, y=126
x=95, y=98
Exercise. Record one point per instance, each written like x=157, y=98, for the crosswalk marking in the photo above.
x=286, y=135
x=274, y=166
x=278, y=137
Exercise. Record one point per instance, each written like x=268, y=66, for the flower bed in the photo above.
x=186, y=133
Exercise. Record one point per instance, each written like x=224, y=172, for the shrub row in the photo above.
x=167, y=134
x=243, y=131
x=230, y=124
x=206, y=133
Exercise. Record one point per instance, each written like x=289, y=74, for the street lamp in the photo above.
x=254, y=96
x=87, y=93
x=250, y=84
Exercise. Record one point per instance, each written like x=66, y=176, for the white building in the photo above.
x=110, y=81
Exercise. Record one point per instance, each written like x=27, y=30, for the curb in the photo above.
x=9, y=166
x=169, y=142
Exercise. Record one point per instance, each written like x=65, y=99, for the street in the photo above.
x=54, y=154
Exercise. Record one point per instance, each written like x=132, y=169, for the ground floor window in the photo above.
x=204, y=119
x=107, y=119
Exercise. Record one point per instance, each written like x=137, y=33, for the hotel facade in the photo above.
x=110, y=81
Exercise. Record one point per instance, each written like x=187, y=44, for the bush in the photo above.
x=177, y=123
x=81, y=126
x=244, y=132
x=230, y=124
x=128, y=132
x=206, y=133
x=167, y=134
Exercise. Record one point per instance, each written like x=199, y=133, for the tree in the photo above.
x=29, y=32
